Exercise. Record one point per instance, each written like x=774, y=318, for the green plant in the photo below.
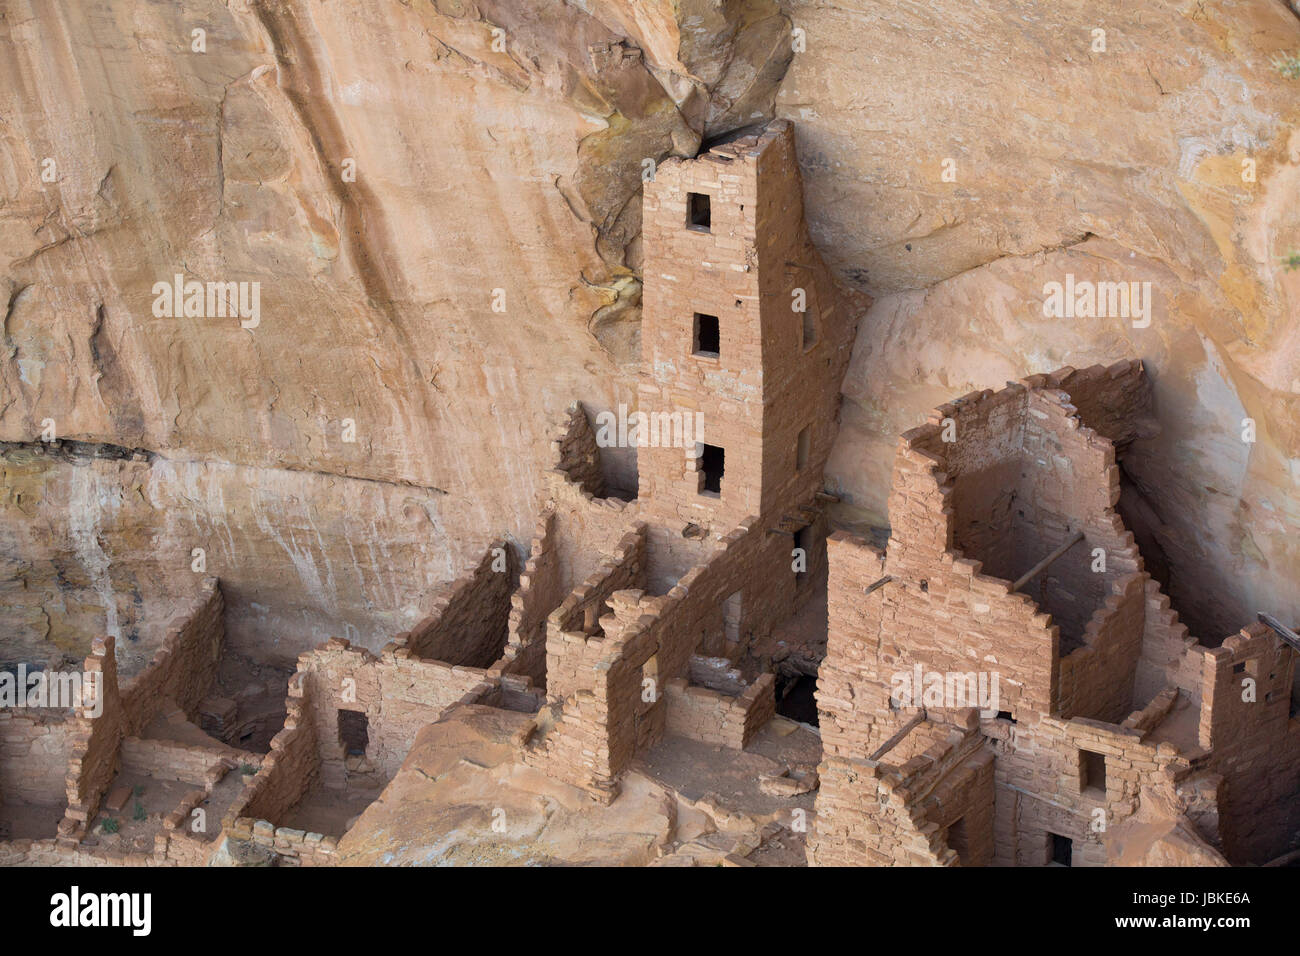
x=1288, y=66
x=248, y=770
x=138, y=790
x=140, y=812
x=1291, y=260
x=109, y=825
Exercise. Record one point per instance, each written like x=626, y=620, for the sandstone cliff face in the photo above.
x=391, y=176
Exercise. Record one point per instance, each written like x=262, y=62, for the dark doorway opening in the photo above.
x=1062, y=850
x=354, y=732
x=796, y=697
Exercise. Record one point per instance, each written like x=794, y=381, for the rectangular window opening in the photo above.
x=1092, y=771
x=698, y=214
x=707, y=338
x=711, y=466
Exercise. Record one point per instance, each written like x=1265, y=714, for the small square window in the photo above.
x=707, y=337
x=698, y=214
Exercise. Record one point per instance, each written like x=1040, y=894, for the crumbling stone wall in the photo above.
x=471, y=624
x=1079, y=737
x=1170, y=655
x=184, y=669
x=1097, y=679
x=595, y=682
x=895, y=807
x=576, y=453
x=287, y=774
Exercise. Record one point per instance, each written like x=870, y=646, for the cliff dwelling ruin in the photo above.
x=692, y=663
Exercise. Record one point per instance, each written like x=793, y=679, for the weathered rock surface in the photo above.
x=506, y=166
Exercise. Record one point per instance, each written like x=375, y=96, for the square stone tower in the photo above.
x=736, y=308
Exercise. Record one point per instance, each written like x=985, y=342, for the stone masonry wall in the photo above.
x=1097, y=679
x=938, y=610
x=699, y=713
x=33, y=757
x=875, y=812
x=540, y=591
x=690, y=270
x=595, y=682
x=577, y=454
x=185, y=666
x=93, y=743
x=1245, y=718
x=471, y=624
x=801, y=380
x=397, y=692
x=287, y=772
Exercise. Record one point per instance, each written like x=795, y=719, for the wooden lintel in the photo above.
x=1042, y=565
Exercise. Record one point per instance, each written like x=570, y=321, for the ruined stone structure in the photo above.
x=1073, y=718
x=1111, y=727
x=726, y=533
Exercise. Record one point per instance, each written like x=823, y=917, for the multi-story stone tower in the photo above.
x=734, y=328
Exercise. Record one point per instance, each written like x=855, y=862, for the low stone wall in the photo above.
x=712, y=717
